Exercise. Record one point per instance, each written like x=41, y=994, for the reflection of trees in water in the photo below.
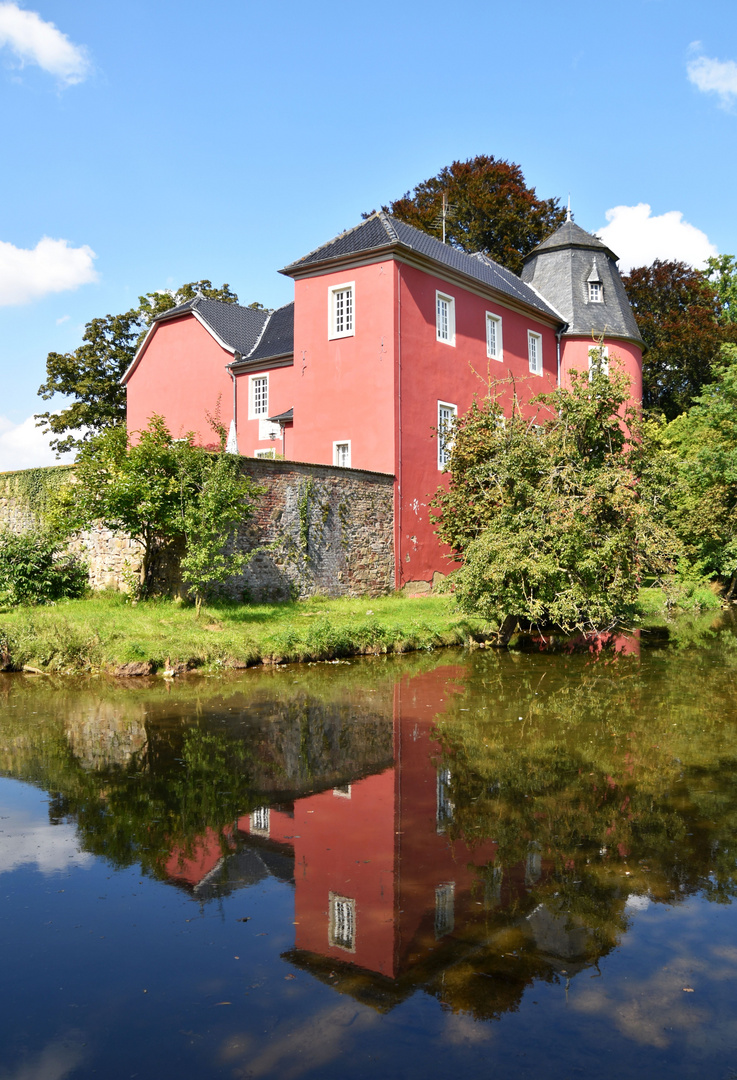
x=142, y=774
x=621, y=773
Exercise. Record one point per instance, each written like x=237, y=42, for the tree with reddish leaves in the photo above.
x=490, y=209
x=678, y=311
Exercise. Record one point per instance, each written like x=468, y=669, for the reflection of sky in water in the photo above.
x=28, y=839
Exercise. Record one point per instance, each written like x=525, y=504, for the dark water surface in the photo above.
x=502, y=865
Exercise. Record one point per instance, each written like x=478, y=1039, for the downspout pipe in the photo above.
x=236, y=358
x=558, y=336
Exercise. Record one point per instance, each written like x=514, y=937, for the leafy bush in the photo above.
x=34, y=570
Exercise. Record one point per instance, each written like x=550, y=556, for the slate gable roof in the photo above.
x=382, y=231
x=561, y=267
x=277, y=338
x=239, y=327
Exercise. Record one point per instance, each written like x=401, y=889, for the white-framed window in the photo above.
x=535, y=352
x=446, y=415
x=445, y=318
x=444, y=805
x=596, y=292
x=343, y=791
x=493, y=336
x=445, y=896
x=270, y=453
x=342, y=454
x=533, y=863
x=258, y=397
x=599, y=359
x=260, y=821
x=342, y=310
x=342, y=922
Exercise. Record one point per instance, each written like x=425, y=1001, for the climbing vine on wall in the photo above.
x=33, y=488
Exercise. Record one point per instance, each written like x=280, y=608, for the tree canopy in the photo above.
x=545, y=510
x=491, y=209
x=91, y=374
x=678, y=311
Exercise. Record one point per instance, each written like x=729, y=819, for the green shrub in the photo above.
x=34, y=570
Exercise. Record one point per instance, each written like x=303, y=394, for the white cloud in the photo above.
x=638, y=237
x=713, y=76
x=34, y=41
x=52, y=266
x=25, y=841
x=63, y=319
x=24, y=446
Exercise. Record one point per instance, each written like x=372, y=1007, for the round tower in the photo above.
x=577, y=273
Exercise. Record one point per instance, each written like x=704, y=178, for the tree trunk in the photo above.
x=508, y=627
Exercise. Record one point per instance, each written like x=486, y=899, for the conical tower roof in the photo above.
x=561, y=268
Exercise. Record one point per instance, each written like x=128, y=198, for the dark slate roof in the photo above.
x=560, y=268
x=239, y=327
x=277, y=337
x=382, y=231
x=282, y=417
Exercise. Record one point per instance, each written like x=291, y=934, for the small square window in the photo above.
x=445, y=319
x=342, y=924
x=599, y=359
x=446, y=415
x=596, y=292
x=341, y=310
x=493, y=336
x=258, y=397
x=342, y=454
x=535, y=352
x=445, y=909
x=270, y=453
x=260, y=821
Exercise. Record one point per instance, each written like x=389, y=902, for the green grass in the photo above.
x=105, y=630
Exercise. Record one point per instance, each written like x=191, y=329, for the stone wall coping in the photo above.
x=338, y=471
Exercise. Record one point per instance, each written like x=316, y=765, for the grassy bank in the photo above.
x=104, y=632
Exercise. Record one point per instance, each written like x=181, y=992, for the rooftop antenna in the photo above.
x=448, y=210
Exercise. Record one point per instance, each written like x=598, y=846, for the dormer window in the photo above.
x=596, y=293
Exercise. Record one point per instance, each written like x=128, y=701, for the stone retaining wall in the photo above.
x=317, y=529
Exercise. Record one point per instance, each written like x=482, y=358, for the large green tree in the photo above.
x=545, y=512
x=678, y=310
x=491, y=209
x=91, y=374
x=168, y=494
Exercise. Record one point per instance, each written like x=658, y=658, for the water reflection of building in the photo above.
x=386, y=898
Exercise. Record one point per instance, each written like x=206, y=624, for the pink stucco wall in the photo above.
x=575, y=356
x=181, y=375
x=343, y=390
x=433, y=371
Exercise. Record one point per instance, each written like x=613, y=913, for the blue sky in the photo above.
x=156, y=143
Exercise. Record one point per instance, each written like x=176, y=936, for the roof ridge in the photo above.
x=338, y=236
x=257, y=342
x=388, y=224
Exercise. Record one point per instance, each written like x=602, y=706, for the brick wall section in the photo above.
x=319, y=530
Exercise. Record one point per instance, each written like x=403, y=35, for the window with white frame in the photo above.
x=445, y=318
x=258, y=397
x=444, y=805
x=260, y=821
x=270, y=453
x=342, y=454
x=445, y=896
x=493, y=336
x=342, y=922
x=446, y=415
x=343, y=791
x=598, y=359
x=535, y=352
x=596, y=292
x=341, y=310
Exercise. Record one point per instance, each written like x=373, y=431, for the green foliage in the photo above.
x=492, y=209
x=545, y=512
x=163, y=492
x=677, y=310
x=33, y=570
x=91, y=374
x=721, y=272
x=35, y=488
x=306, y=495
x=693, y=470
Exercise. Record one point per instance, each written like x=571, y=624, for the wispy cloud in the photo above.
x=25, y=446
x=52, y=266
x=713, y=76
x=639, y=237
x=34, y=41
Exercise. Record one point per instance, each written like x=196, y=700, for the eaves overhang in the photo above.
x=401, y=253
x=239, y=366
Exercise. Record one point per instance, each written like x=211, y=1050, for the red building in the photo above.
x=391, y=335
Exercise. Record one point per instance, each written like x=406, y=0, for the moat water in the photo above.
x=479, y=865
